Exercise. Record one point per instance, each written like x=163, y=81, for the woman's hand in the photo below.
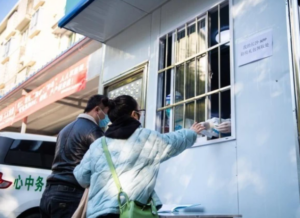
x=197, y=127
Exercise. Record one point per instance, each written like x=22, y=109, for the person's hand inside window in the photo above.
x=224, y=127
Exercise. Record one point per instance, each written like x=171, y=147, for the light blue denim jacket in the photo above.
x=136, y=159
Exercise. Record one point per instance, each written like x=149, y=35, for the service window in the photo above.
x=133, y=84
x=194, y=78
x=31, y=153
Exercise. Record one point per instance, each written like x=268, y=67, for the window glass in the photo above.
x=224, y=24
x=30, y=153
x=133, y=84
x=202, y=44
x=181, y=45
x=225, y=65
x=190, y=79
x=163, y=121
x=200, y=110
x=35, y=18
x=7, y=48
x=179, y=83
x=197, y=86
x=133, y=89
x=192, y=39
x=201, y=74
x=214, y=25
x=178, y=118
x=213, y=66
x=189, y=115
x=24, y=37
x=72, y=38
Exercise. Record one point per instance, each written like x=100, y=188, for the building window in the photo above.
x=35, y=19
x=133, y=83
x=24, y=36
x=194, y=74
x=7, y=48
x=72, y=39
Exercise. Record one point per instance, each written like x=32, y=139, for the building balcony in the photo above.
x=10, y=33
x=23, y=22
x=57, y=30
x=33, y=31
x=37, y=4
x=21, y=75
x=5, y=59
x=29, y=62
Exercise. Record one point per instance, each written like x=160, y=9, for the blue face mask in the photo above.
x=103, y=123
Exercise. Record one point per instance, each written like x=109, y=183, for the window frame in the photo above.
x=175, y=64
x=25, y=36
x=7, y=47
x=35, y=19
x=140, y=71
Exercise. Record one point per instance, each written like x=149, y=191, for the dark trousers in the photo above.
x=110, y=216
x=60, y=201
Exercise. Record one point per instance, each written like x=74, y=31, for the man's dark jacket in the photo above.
x=73, y=141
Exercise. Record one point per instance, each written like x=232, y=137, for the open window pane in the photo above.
x=225, y=65
x=162, y=53
x=224, y=24
x=213, y=105
x=170, y=50
x=226, y=112
x=213, y=66
x=214, y=25
x=226, y=104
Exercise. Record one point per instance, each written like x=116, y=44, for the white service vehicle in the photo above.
x=25, y=163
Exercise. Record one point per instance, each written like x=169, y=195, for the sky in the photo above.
x=5, y=7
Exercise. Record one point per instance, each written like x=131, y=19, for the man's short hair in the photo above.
x=95, y=101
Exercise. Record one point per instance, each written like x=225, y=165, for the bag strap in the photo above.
x=111, y=165
x=116, y=178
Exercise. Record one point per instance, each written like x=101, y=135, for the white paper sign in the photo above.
x=255, y=48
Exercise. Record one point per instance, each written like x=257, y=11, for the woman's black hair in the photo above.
x=121, y=106
x=96, y=100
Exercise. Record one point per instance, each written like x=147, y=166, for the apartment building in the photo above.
x=29, y=39
x=47, y=73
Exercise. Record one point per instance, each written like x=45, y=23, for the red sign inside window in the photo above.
x=62, y=85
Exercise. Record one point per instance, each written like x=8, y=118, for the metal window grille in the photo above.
x=194, y=71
